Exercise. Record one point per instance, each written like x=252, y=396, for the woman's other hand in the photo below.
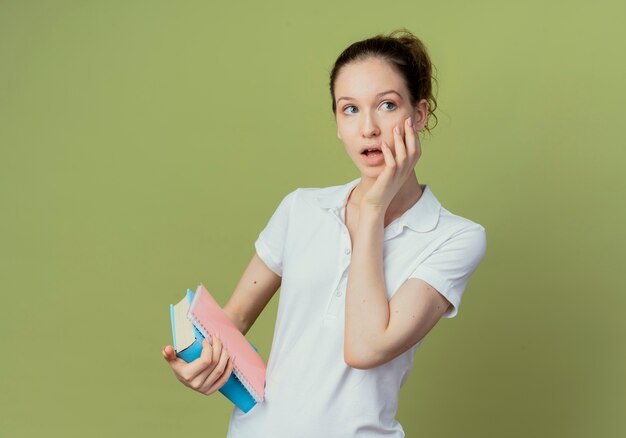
x=208, y=373
x=398, y=167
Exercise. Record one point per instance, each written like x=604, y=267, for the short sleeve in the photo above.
x=271, y=242
x=449, y=268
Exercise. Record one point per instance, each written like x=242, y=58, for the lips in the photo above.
x=365, y=149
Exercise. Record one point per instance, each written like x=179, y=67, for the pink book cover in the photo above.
x=207, y=315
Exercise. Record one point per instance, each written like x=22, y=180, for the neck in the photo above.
x=407, y=196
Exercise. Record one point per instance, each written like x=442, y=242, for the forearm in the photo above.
x=239, y=322
x=367, y=305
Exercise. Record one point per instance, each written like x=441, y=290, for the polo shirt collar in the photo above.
x=423, y=216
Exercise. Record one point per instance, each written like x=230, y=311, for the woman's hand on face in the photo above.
x=397, y=169
x=206, y=374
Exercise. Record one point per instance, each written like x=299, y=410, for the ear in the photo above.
x=421, y=115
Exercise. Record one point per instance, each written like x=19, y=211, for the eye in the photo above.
x=352, y=106
x=349, y=106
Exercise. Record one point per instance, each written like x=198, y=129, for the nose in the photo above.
x=369, y=126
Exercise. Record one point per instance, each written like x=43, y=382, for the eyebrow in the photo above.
x=377, y=96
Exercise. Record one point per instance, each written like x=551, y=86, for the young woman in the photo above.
x=366, y=269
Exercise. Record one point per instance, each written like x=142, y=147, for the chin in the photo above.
x=372, y=172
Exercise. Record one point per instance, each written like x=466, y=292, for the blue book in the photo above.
x=188, y=346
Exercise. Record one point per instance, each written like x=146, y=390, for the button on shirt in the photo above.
x=310, y=391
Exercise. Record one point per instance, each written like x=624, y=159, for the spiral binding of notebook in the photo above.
x=249, y=368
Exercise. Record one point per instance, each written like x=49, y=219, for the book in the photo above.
x=198, y=316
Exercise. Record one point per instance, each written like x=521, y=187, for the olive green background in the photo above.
x=145, y=144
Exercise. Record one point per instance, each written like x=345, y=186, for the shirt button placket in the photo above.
x=342, y=284
x=347, y=250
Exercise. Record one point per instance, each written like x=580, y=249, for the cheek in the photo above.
x=346, y=133
x=390, y=135
x=398, y=122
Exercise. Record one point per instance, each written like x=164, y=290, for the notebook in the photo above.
x=188, y=346
x=197, y=317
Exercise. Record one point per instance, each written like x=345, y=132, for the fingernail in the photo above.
x=397, y=130
x=410, y=121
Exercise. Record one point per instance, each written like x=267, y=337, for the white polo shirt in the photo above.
x=310, y=391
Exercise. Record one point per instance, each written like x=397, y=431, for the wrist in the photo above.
x=371, y=214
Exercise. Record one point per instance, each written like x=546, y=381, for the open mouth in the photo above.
x=373, y=157
x=372, y=152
